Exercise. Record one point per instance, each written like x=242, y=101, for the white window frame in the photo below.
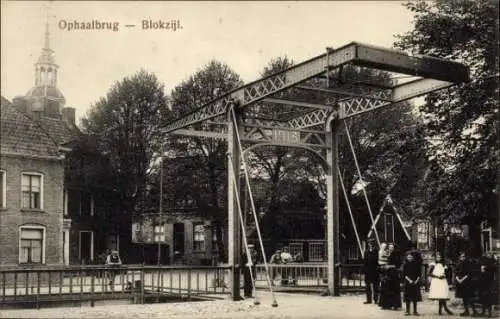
x=41, y=189
x=66, y=235
x=203, y=233
x=80, y=244
x=3, y=194
x=427, y=225
x=159, y=234
x=38, y=227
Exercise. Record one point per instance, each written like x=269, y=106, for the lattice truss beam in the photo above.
x=333, y=92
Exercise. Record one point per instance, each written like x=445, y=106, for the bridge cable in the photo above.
x=350, y=213
x=361, y=179
x=247, y=180
x=247, y=251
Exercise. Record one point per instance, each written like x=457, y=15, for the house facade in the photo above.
x=182, y=236
x=34, y=131
x=51, y=211
x=32, y=188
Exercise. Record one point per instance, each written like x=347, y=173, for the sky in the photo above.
x=244, y=35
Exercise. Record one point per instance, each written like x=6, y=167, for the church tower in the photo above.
x=45, y=98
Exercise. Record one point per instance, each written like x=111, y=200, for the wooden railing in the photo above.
x=313, y=276
x=309, y=276
x=36, y=286
x=139, y=284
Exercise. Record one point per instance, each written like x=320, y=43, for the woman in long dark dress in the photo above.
x=390, y=297
x=464, y=287
x=411, y=275
x=486, y=284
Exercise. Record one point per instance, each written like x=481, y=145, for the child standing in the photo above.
x=411, y=274
x=439, y=285
x=464, y=284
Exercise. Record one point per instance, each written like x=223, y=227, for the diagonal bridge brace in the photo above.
x=355, y=106
x=440, y=74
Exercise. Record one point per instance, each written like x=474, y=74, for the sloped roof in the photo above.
x=61, y=132
x=24, y=136
x=45, y=91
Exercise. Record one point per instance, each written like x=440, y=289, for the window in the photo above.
x=215, y=247
x=32, y=190
x=353, y=253
x=3, y=187
x=31, y=245
x=316, y=251
x=159, y=233
x=198, y=237
x=65, y=205
x=86, y=246
x=296, y=248
x=86, y=204
x=423, y=235
x=389, y=227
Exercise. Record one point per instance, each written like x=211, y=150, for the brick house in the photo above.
x=32, y=201
x=51, y=212
x=185, y=237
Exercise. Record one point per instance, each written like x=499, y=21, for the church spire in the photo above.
x=46, y=67
x=45, y=96
x=47, y=36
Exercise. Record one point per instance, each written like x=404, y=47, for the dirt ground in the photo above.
x=298, y=306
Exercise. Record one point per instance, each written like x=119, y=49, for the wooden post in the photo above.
x=234, y=237
x=332, y=217
x=92, y=288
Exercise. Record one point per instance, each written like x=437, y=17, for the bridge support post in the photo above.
x=234, y=232
x=332, y=199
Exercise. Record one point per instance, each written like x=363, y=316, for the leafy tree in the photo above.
x=207, y=183
x=125, y=126
x=461, y=123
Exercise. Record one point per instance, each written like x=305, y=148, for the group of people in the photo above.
x=384, y=272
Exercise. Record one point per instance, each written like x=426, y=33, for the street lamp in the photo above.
x=160, y=211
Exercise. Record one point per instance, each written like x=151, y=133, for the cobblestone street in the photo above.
x=289, y=306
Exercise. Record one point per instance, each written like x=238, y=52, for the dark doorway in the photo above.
x=150, y=252
x=178, y=242
x=86, y=247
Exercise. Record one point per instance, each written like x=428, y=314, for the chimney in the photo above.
x=20, y=103
x=69, y=115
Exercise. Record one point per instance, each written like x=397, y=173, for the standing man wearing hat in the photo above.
x=371, y=272
x=249, y=265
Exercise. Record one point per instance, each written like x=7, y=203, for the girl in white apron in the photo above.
x=439, y=285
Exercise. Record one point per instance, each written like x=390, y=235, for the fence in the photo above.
x=138, y=284
x=143, y=284
x=313, y=276
x=309, y=276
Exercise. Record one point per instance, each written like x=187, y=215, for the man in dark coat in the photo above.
x=464, y=283
x=371, y=272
